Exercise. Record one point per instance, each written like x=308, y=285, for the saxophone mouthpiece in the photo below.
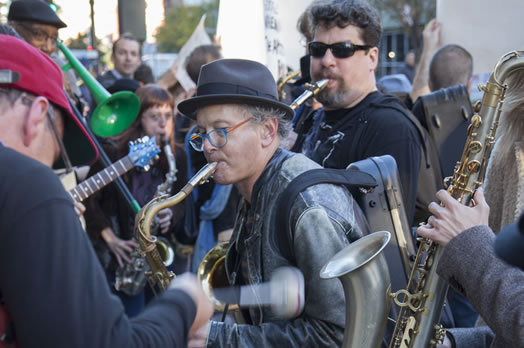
x=203, y=174
x=322, y=83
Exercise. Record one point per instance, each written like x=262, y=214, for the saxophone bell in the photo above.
x=362, y=268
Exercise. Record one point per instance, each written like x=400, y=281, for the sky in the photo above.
x=76, y=14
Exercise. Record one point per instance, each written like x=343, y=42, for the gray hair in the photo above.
x=262, y=113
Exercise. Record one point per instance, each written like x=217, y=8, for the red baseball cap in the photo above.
x=37, y=74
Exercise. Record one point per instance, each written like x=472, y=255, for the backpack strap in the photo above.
x=392, y=103
x=347, y=177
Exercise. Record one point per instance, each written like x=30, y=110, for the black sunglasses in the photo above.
x=338, y=49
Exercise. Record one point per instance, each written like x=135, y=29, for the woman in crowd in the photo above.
x=109, y=217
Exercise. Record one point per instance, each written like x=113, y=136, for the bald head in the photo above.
x=451, y=65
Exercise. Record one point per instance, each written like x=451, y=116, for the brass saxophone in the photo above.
x=131, y=278
x=159, y=277
x=422, y=301
x=165, y=187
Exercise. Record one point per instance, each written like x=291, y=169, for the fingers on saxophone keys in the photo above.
x=425, y=231
x=434, y=208
x=432, y=221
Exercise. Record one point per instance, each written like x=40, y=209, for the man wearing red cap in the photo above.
x=51, y=283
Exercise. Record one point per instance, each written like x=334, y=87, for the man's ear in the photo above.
x=373, y=56
x=269, y=131
x=35, y=120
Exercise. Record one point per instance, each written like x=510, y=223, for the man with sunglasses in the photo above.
x=51, y=283
x=240, y=123
x=359, y=121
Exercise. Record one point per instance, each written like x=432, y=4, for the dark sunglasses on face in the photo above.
x=317, y=49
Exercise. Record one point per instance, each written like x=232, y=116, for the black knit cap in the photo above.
x=35, y=11
x=234, y=81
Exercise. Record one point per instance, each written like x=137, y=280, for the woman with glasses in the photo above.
x=109, y=219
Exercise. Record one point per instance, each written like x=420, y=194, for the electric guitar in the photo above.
x=141, y=152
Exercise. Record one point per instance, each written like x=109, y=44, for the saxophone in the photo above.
x=130, y=278
x=164, y=189
x=159, y=277
x=422, y=301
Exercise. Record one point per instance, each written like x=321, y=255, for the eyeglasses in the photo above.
x=39, y=34
x=338, y=49
x=156, y=117
x=216, y=137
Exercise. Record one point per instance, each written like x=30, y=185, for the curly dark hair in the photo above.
x=342, y=13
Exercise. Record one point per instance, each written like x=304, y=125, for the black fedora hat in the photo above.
x=234, y=81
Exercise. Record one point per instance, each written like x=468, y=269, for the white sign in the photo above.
x=262, y=30
x=198, y=38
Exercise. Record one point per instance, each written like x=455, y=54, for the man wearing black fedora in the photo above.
x=240, y=124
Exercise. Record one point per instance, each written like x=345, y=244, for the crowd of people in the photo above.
x=61, y=283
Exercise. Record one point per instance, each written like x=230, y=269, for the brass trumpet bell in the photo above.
x=114, y=113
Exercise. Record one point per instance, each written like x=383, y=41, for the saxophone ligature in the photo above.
x=159, y=276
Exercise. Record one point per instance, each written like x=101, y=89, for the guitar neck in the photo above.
x=96, y=182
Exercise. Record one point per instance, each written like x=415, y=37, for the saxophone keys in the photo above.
x=475, y=146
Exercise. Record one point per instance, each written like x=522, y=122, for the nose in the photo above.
x=328, y=59
x=208, y=147
x=48, y=46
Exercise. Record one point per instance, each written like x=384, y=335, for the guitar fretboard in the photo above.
x=87, y=187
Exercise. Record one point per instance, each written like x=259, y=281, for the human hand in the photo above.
x=164, y=219
x=183, y=96
x=224, y=236
x=188, y=283
x=432, y=36
x=452, y=218
x=119, y=247
x=198, y=338
x=79, y=208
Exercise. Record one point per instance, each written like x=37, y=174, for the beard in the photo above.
x=332, y=99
